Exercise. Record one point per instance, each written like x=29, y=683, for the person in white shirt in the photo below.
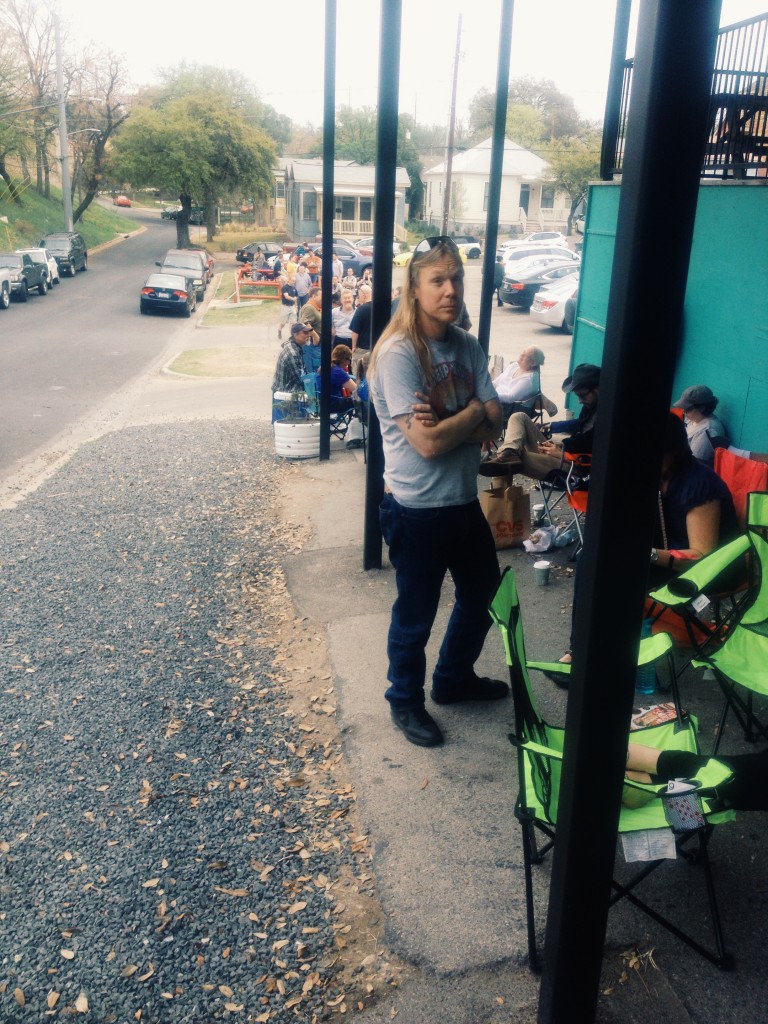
x=521, y=381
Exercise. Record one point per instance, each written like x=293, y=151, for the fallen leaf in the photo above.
x=129, y=971
x=53, y=998
x=150, y=883
x=296, y=907
x=68, y=954
x=232, y=892
x=18, y=995
x=81, y=1003
x=226, y=990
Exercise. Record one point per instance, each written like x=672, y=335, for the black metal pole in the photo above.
x=615, y=82
x=383, y=230
x=329, y=145
x=665, y=149
x=497, y=166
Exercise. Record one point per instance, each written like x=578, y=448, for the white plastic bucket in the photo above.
x=297, y=439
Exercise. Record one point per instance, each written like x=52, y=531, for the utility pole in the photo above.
x=66, y=187
x=451, y=132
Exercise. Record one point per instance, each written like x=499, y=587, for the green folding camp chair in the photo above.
x=738, y=655
x=539, y=759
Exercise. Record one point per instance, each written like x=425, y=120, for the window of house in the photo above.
x=366, y=209
x=279, y=190
x=547, y=198
x=309, y=209
x=485, y=196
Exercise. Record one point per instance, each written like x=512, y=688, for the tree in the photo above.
x=573, y=163
x=536, y=112
x=199, y=147
x=92, y=122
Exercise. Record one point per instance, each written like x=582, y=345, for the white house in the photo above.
x=353, y=194
x=528, y=201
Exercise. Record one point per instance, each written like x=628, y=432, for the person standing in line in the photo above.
x=288, y=305
x=337, y=267
x=498, y=278
x=311, y=315
x=360, y=326
x=303, y=283
x=430, y=385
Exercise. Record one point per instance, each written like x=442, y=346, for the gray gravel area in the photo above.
x=167, y=851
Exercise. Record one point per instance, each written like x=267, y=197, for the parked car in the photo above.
x=170, y=213
x=171, y=293
x=68, y=249
x=5, y=288
x=189, y=262
x=365, y=245
x=197, y=215
x=25, y=274
x=121, y=201
x=549, y=304
x=43, y=256
x=469, y=245
x=270, y=250
x=511, y=256
x=402, y=259
x=519, y=288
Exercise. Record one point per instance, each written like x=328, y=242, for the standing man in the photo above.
x=360, y=327
x=498, y=278
x=337, y=267
x=436, y=405
x=313, y=266
x=311, y=316
x=288, y=304
x=303, y=283
x=290, y=363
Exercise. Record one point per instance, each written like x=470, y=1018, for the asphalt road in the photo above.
x=64, y=353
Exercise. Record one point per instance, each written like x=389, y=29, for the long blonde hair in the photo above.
x=404, y=324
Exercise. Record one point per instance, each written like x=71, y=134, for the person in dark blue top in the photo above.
x=341, y=379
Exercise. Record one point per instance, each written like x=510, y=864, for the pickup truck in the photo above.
x=5, y=288
x=25, y=274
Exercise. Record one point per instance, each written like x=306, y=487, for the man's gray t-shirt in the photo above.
x=461, y=373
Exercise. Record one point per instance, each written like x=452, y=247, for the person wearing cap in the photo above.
x=436, y=405
x=290, y=362
x=705, y=431
x=498, y=278
x=526, y=450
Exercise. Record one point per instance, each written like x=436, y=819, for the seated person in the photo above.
x=520, y=383
x=526, y=450
x=705, y=431
x=696, y=511
x=343, y=384
x=747, y=790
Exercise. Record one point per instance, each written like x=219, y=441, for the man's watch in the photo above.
x=654, y=556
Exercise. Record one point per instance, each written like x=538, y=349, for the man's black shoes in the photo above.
x=475, y=688
x=418, y=726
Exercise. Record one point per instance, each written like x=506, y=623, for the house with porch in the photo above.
x=528, y=201
x=354, y=198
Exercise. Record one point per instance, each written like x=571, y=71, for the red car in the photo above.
x=121, y=201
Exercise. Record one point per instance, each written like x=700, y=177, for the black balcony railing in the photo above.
x=737, y=136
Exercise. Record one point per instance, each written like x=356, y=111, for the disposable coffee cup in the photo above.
x=682, y=806
x=538, y=514
x=541, y=573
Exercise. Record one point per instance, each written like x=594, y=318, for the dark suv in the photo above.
x=69, y=251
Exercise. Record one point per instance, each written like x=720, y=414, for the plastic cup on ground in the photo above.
x=538, y=514
x=541, y=573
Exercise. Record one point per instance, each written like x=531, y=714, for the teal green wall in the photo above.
x=725, y=328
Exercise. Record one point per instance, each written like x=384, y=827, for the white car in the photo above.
x=514, y=257
x=43, y=256
x=549, y=304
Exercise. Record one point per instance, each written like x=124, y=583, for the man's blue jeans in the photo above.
x=424, y=544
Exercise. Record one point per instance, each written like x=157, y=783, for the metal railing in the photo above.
x=737, y=136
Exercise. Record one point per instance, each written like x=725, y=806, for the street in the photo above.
x=66, y=352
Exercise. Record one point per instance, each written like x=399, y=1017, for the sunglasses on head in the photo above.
x=436, y=241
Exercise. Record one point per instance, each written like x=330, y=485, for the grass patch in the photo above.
x=217, y=362
x=238, y=316
x=37, y=217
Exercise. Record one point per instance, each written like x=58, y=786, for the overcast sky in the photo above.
x=279, y=46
